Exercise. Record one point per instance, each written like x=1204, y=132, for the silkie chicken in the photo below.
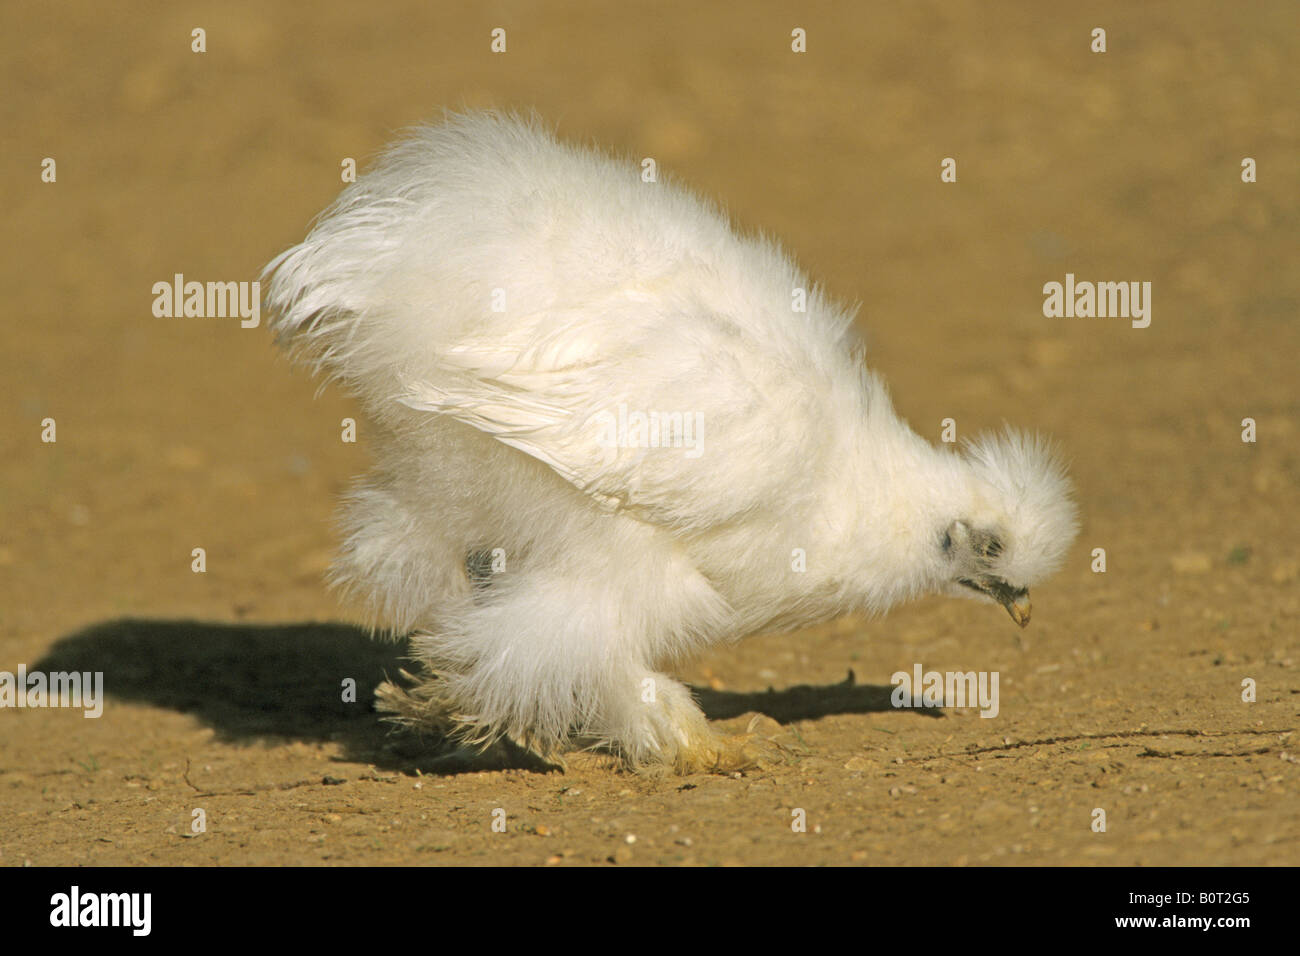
x=607, y=436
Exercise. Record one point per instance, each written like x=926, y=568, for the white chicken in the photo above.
x=607, y=437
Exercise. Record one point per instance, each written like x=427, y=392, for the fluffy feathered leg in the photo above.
x=481, y=678
x=656, y=725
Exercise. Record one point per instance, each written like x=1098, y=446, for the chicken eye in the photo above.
x=993, y=548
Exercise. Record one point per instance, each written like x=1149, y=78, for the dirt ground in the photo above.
x=1124, y=694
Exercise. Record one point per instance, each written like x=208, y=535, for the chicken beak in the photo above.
x=1018, y=608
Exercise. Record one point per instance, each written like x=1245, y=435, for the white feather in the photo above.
x=497, y=299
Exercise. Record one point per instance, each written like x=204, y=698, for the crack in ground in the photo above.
x=1122, y=735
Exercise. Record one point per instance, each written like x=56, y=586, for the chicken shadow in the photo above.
x=252, y=682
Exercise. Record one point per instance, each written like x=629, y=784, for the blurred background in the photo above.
x=1116, y=166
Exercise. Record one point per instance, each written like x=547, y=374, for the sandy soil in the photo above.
x=1124, y=694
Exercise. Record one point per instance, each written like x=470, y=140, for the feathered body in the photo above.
x=532, y=329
